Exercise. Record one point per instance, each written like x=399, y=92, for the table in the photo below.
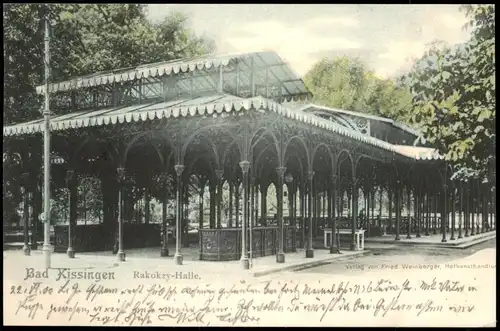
x=359, y=234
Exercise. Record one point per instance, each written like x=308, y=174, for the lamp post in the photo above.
x=47, y=249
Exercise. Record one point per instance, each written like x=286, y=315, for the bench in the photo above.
x=359, y=234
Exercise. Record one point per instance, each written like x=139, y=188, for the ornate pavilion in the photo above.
x=240, y=120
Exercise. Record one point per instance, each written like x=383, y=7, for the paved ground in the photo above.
x=396, y=254
x=430, y=240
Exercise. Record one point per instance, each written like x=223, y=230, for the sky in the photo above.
x=386, y=37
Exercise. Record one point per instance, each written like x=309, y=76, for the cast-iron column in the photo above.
x=461, y=210
x=219, y=174
x=120, y=178
x=213, y=193
x=200, y=205
x=435, y=203
x=185, y=214
x=164, y=247
x=309, y=249
x=408, y=224
x=179, y=168
x=333, y=218
x=263, y=204
x=231, y=197
x=280, y=256
x=26, y=208
x=251, y=208
x=465, y=188
x=354, y=208
x=237, y=203
x=453, y=211
x=427, y=212
x=72, y=197
x=478, y=207
x=472, y=209
x=245, y=165
x=399, y=192
x=444, y=214
x=390, y=206
x=302, y=214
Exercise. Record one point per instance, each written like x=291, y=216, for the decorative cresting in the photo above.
x=230, y=104
x=361, y=124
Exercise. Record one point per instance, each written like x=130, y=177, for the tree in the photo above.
x=454, y=97
x=347, y=84
x=85, y=38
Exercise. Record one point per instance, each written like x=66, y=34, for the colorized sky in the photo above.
x=385, y=37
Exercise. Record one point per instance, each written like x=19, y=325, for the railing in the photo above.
x=100, y=237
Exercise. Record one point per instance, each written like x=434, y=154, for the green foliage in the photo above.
x=85, y=38
x=347, y=84
x=454, y=97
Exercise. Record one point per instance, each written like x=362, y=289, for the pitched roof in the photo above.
x=363, y=115
x=278, y=72
x=215, y=105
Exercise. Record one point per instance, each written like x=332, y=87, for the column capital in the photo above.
x=310, y=175
x=120, y=174
x=333, y=178
x=445, y=187
x=281, y=171
x=245, y=165
x=219, y=173
x=179, y=168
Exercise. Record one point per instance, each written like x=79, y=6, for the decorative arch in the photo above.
x=304, y=146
